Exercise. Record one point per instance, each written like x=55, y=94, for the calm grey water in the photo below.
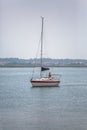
x=57, y=108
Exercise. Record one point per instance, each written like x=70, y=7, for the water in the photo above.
x=57, y=108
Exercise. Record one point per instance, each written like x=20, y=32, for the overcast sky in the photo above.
x=65, y=28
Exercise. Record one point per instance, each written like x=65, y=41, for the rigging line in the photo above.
x=40, y=41
x=36, y=57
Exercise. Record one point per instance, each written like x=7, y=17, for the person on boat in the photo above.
x=49, y=75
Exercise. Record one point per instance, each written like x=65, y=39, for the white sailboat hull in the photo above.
x=44, y=83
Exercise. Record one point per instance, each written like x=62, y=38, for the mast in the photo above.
x=41, y=44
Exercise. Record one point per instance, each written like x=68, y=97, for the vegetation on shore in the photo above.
x=16, y=62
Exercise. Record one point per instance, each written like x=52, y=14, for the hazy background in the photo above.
x=65, y=28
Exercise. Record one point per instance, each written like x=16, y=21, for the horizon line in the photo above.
x=43, y=58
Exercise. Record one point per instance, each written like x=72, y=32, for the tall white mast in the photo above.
x=41, y=44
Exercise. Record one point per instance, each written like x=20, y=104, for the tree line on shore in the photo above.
x=16, y=62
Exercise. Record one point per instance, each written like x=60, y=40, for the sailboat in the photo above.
x=47, y=81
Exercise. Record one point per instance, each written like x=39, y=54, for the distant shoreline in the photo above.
x=16, y=62
x=66, y=66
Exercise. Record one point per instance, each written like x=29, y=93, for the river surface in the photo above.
x=48, y=108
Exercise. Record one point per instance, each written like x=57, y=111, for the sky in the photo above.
x=65, y=28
